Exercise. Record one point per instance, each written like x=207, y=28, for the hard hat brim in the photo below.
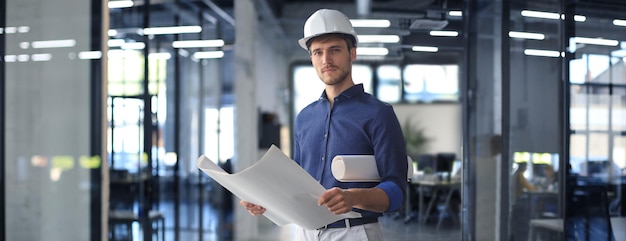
x=302, y=42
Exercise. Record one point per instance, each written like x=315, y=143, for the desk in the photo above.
x=439, y=188
x=617, y=225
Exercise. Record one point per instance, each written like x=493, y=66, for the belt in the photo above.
x=350, y=222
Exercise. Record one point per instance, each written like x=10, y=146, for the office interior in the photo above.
x=106, y=107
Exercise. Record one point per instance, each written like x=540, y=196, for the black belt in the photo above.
x=351, y=221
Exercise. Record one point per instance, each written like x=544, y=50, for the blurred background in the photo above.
x=514, y=113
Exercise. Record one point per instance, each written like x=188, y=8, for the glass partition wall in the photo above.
x=596, y=166
x=544, y=115
x=166, y=108
x=52, y=129
x=566, y=119
x=535, y=114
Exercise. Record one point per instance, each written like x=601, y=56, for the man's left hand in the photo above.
x=337, y=201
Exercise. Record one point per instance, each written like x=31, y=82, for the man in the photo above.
x=346, y=121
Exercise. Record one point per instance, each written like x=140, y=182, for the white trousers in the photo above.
x=365, y=232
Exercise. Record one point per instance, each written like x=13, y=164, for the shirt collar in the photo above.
x=349, y=93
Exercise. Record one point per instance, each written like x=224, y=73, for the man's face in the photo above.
x=332, y=59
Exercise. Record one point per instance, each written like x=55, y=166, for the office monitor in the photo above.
x=425, y=161
x=445, y=162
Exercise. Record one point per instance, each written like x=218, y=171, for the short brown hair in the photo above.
x=350, y=40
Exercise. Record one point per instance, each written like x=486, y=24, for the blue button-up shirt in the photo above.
x=358, y=124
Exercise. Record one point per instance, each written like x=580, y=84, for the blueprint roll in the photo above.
x=355, y=168
x=360, y=168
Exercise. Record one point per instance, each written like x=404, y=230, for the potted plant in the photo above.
x=415, y=138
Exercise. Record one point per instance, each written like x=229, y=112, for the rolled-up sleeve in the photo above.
x=390, y=151
x=394, y=193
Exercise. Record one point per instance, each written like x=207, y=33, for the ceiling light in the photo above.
x=10, y=29
x=455, y=13
x=112, y=32
x=619, y=22
x=550, y=15
x=198, y=43
x=163, y=56
x=172, y=30
x=120, y=4
x=580, y=18
x=41, y=57
x=542, y=53
x=115, y=42
x=596, y=41
x=525, y=35
x=424, y=49
x=10, y=58
x=23, y=29
x=133, y=45
x=444, y=33
x=90, y=55
x=379, y=38
x=23, y=58
x=209, y=55
x=372, y=51
x=538, y=14
x=62, y=43
x=115, y=54
x=370, y=23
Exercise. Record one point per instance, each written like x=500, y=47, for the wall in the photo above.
x=260, y=80
x=441, y=123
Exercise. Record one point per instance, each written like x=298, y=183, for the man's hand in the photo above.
x=337, y=201
x=253, y=209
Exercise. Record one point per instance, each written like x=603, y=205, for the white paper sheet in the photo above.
x=360, y=168
x=288, y=193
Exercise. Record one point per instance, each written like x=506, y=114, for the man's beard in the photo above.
x=338, y=80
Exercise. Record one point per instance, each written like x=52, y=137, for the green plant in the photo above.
x=416, y=140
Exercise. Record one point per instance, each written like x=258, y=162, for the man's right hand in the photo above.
x=252, y=208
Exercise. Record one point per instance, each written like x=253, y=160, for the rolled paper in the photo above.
x=355, y=168
x=360, y=168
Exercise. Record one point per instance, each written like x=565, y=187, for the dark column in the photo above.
x=145, y=190
x=3, y=7
x=96, y=124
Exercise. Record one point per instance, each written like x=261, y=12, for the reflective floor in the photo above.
x=202, y=218
x=395, y=229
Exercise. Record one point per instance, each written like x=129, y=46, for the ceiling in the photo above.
x=288, y=17
x=410, y=19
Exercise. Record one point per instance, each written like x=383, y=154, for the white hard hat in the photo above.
x=325, y=21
